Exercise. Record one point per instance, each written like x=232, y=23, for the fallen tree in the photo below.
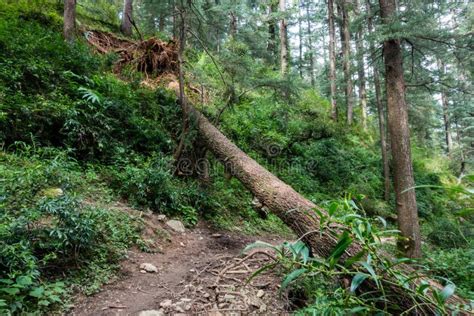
x=300, y=214
x=296, y=211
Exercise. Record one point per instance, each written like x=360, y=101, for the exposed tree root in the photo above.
x=152, y=57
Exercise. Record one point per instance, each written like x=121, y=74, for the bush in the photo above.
x=46, y=231
x=457, y=265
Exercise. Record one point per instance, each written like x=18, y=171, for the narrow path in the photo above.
x=199, y=272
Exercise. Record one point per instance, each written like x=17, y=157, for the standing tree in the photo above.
x=346, y=54
x=400, y=137
x=127, y=18
x=380, y=108
x=283, y=39
x=360, y=67
x=332, y=59
x=444, y=102
x=69, y=19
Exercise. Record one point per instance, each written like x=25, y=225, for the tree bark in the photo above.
x=400, y=139
x=380, y=111
x=310, y=47
x=346, y=55
x=127, y=18
x=300, y=42
x=283, y=40
x=361, y=70
x=332, y=59
x=233, y=24
x=271, y=45
x=445, y=103
x=69, y=19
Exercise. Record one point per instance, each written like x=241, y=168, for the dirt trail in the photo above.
x=199, y=272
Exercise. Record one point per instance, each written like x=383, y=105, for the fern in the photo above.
x=90, y=95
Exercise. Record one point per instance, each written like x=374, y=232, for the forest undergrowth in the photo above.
x=79, y=126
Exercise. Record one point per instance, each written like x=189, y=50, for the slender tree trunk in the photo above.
x=161, y=23
x=271, y=45
x=380, y=110
x=69, y=19
x=332, y=59
x=300, y=42
x=445, y=103
x=283, y=40
x=127, y=18
x=400, y=139
x=310, y=46
x=361, y=70
x=233, y=24
x=346, y=55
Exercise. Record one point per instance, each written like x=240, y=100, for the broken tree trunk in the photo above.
x=290, y=206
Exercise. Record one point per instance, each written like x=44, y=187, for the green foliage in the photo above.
x=457, y=265
x=317, y=278
x=45, y=230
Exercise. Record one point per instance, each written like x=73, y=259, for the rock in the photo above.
x=161, y=217
x=216, y=235
x=176, y=225
x=222, y=305
x=260, y=293
x=178, y=309
x=229, y=297
x=263, y=308
x=166, y=303
x=151, y=312
x=142, y=271
x=207, y=295
x=148, y=267
x=186, y=300
x=182, y=244
x=53, y=192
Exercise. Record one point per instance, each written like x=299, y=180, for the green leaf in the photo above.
x=344, y=241
x=357, y=280
x=37, y=292
x=10, y=290
x=465, y=212
x=447, y=291
x=24, y=281
x=354, y=258
x=332, y=208
x=260, y=271
x=292, y=276
x=369, y=268
x=423, y=288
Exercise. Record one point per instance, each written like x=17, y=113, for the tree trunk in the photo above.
x=161, y=23
x=127, y=18
x=233, y=24
x=332, y=59
x=69, y=19
x=361, y=70
x=380, y=111
x=346, y=55
x=283, y=40
x=400, y=139
x=271, y=45
x=444, y=101
x=292, y=208
x=300, y=43
x=310, y=47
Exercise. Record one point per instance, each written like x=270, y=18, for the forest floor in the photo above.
x=201, y=271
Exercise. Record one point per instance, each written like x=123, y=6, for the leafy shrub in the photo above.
x=322, y=281
x=45, y=230
x=457, y=265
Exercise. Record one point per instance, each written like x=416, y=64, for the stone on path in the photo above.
x=176, y=225
x=151, y=312
x=148, y=267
